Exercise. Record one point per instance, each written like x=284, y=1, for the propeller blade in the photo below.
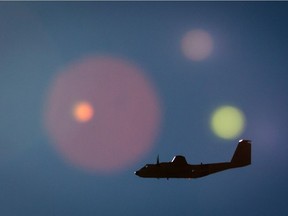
x=158, y=159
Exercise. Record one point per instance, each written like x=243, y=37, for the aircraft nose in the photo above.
x=136, y=173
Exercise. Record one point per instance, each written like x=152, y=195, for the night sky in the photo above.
x=92, y=91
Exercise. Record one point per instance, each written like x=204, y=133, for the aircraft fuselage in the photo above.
x=169, y=170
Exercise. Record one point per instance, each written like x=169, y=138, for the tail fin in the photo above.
x=242, y=155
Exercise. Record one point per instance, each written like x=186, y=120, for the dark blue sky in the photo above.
x=247, y=68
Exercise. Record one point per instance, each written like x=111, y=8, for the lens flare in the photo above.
x=83, y=112
x=126, y=122
x=197, y=45
x=227, y=122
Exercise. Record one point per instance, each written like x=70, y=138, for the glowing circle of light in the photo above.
x=83, y=112
x=119, y=106
x=197, y=45
x=227, y=122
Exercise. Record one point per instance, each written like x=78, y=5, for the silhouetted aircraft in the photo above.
x=179, y=168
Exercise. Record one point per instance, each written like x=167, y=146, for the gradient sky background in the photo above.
x=247, y=68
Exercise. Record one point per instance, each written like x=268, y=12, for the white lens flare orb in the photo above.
x=197, y=45
x=227, y=122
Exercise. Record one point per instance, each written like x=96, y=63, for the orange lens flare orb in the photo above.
x=83, y=112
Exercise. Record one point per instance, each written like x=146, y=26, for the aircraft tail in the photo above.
x=242, y=155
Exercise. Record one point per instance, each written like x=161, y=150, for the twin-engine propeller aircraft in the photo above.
x=179, y=168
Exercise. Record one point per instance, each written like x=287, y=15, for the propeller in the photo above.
x=158, y=159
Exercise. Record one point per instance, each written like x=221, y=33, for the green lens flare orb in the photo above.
x=227, y=122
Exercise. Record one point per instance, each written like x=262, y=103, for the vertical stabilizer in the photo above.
x=242, y=155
